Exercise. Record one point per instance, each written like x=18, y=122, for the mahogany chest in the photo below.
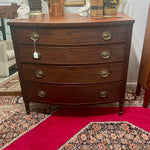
x=80, y=60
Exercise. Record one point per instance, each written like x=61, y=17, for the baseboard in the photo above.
x=131, y=84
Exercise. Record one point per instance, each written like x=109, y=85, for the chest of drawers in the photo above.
x=81, y=60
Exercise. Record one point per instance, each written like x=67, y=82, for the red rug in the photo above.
x=66, y=122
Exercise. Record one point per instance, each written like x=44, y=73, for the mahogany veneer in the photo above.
x=87, y=54
x=86, y=74
x=83, y=60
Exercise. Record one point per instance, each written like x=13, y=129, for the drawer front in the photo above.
x=88, y=94
x=73, y=54
x=77, y=36
x=73, y=74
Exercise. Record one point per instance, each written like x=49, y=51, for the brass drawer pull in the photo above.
x=34, y=36
x=105, y=54
x=36, y=55
x=39, y=74
x=104, y=73
x=41, y=94
x=107, y=35
x=103, y=94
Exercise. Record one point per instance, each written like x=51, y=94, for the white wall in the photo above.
x=138, y=10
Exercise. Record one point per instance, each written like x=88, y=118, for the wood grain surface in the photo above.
x=71, y=60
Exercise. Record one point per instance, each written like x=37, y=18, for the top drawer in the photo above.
x=75, y=36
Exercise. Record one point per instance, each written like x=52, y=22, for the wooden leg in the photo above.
x=138, y=89
x=27, y=107
x=3, y=28
x=146, y=98
x=121, y=103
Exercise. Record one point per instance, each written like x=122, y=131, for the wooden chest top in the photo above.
x=72, y=20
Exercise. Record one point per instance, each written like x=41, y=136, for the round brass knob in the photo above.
x=107, y=35
x=36, y=55
x=41, y=94
x=105, y=54
x=104, y=73
x=34, y=36
x=103, y=94
x=39, y=74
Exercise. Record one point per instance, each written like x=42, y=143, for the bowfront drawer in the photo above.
x=75, y=36
x=86, y=74
x=91, y=54
x=88, y=94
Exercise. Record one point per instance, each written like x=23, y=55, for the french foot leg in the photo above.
x=138, y=89
x=27, y=107
x=146, y=98
x=121, y=103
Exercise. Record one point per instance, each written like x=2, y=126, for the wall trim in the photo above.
x=131, y=84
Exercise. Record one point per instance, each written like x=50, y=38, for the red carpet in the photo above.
x=61, y=126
